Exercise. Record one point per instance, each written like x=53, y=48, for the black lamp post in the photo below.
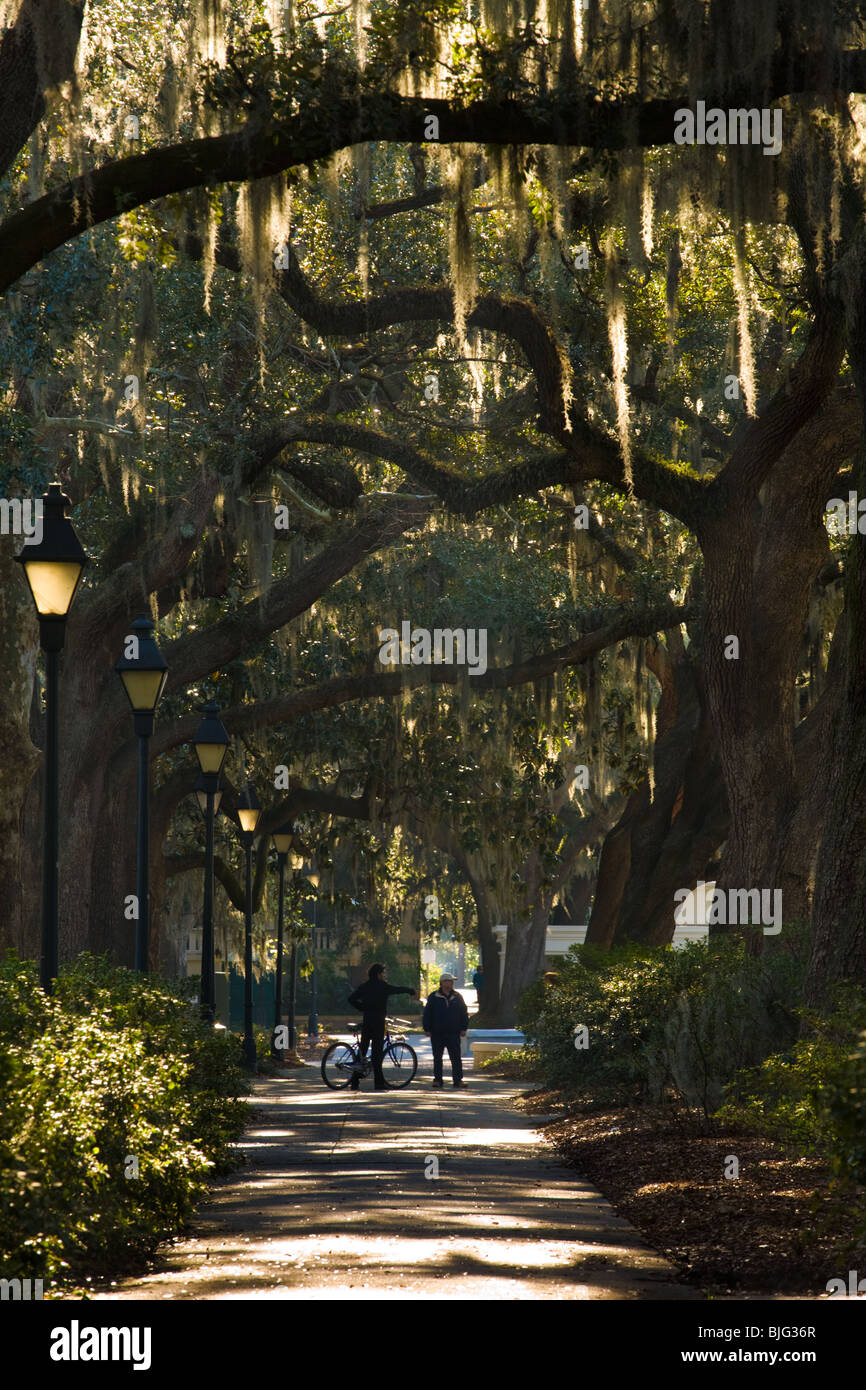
x=52, y=567
x=208, y=986
x=143, y=670
x=293, y=991
x=200, y=790
x=313, y=1021
x=211, y=745
x=282, y=839
x=297, y=863
x=248, y=810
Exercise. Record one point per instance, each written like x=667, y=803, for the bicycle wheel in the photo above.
x=399, y=1065
x=337, y=1065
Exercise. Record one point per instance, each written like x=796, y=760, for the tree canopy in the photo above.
x=329, y=321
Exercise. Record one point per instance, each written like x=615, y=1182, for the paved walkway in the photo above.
x=340, y=1198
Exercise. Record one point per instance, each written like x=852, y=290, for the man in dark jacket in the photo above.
x=446, y=1019
x=372, y=999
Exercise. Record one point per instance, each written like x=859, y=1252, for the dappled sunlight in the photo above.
x=655, y=1187
x=368, y=1251
x=402, y=1194
x=413, y=1142
x=308, y=1099
x=491, y=1138
x=268, y=1137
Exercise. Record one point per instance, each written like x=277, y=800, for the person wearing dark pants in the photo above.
x=446, y=1019
x=372, y=999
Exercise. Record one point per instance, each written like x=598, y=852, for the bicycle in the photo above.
x=399, y=1060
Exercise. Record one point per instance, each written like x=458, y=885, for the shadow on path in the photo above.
x=416, y=1193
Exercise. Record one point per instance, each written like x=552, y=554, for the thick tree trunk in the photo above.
x=839, y=915
x=524, y=960
x=577, y=898
x=20, y=762
x=526, y=940
x=37, y=53
x=679, y=832
x=613, y=871
x=485, y=907
x=760, y=569
x=97, y=799
x=663, y=841
x=674, y=852
x=524, y=948
x=839, y=918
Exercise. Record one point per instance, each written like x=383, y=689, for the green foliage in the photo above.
x=514, y=1064
x=333, y=987
x=662, y=1024
x=264, y=1057
x=813, y=1094
x=846, y=1108
x=782, y=1097
x=113, y=1068
x=486, y=767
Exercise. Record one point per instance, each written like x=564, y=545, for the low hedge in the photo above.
x=813, y=1094
x=662, y=1024
x=117, y=1105
x=714, y=1030
x=513, y=1064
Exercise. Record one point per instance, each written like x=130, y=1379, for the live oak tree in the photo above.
x=514, y=783
x=574, y=118
x=147, y=534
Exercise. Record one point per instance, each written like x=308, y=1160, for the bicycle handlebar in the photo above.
x=356, y=1026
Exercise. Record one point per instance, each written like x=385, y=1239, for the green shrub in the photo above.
x=814, y=1094
x=846, y=1107
x=514, y=1063
x=782, y=1097
x=662, y=1023
x=264, y=1057
x=118, y=1103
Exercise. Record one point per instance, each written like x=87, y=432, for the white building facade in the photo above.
x=690, y=924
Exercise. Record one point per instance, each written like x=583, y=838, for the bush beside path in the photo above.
x=117, y=1105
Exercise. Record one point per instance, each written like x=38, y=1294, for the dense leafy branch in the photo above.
x=150, y=566
x=262, y=148
x=594, y=455
x=390, y=684
x=241, y=633
x=626, y=559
